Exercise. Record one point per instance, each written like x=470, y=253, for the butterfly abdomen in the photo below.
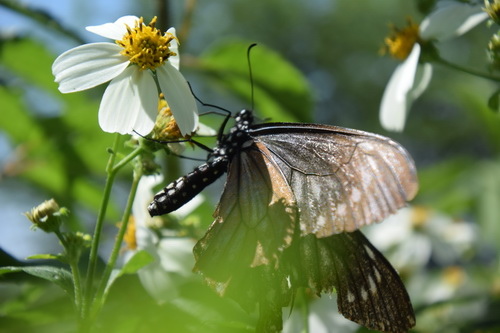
x=180, y=191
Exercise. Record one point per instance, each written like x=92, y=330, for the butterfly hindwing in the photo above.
x=369, y=290
x=254, y=221
x=342, y=179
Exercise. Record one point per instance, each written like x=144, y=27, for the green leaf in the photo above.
x=494, y=101
x=64, y=152
x=45, y=256
x=444, y=186
x=281, y=92
x=140, y=259
x=58, y=276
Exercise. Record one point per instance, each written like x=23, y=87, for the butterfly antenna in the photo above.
x=250, y=72
x=163, y=142
x=226, y=119
x=207, y=104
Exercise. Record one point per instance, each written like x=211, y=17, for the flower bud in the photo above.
x=493, y=10
x=46, y=216
x=494, y=52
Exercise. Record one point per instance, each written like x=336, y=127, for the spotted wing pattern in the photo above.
x=369, y=290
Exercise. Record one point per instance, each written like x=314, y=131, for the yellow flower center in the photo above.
x=129, y=237
x=146, y=46
x=400, y=43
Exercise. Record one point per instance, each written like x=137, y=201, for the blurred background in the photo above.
x=445, y=245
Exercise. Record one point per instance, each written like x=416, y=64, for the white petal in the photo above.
x=115, y=30
x=176, y=255
x=394, y=103
x=143, y=197
x=129, y=103
x=87, y=66
x=174, y=47
x=204, y=130
x=179, y=97
x=451, y=19
x=171, y=269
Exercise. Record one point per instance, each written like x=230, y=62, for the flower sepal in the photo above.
x=429, y=53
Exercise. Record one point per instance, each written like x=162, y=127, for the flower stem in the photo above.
x=483, y=75
x=101, y=292
x=111, y=169
x=98, y=228
x=75, y=271
x=305, y=310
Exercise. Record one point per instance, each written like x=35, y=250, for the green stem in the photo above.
x=446, y=63
x=75, y=271
x=111, y=169
x=100, y=298
x=305, y=310
x=127, y=159
x=98, y=228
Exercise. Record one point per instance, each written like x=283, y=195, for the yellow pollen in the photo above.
x=129, y=237
x=454, y=276
x=401, y=41
x=146, y=46
x=165, y=126
x=420, y=216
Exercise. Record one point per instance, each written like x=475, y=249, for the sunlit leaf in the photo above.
x=60, y=145
x=58, y=276
x=45, y=256
x=137, y=261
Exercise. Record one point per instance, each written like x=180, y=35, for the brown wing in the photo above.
x=254, y=221
x=369, y=290
x=342, y=179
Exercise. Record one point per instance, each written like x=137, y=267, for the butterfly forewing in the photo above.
x=342, y=179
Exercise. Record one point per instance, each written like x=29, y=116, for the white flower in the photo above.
x=173, y=256
x=435, y=235
x=130, y=101
x=411, y=78
x=323, y=317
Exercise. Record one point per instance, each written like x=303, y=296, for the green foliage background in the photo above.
x=317, y=61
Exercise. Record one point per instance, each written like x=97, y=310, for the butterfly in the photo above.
x=294, y=198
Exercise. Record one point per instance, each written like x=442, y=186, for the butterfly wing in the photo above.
x=254, y=221
x=342, y=179
x=369, y=290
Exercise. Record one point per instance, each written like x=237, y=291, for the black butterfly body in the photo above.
x=294, y=198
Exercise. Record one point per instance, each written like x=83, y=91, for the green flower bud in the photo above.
x=494, y=52
x=493, y=10
x=47, y=216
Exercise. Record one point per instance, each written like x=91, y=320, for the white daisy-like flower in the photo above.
x=411, y=77
x=173, y=256
x=437, y=236
x=140, y=53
